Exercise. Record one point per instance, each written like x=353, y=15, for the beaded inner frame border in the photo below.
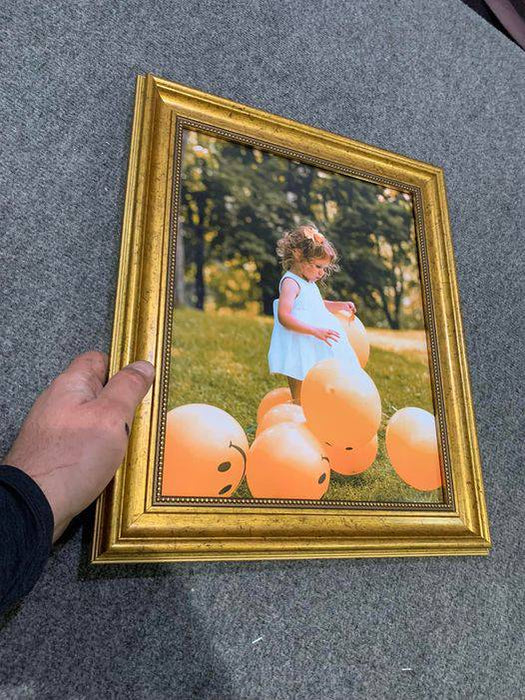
x=447, y=504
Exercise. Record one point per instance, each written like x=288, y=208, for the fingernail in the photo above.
x=145, y=368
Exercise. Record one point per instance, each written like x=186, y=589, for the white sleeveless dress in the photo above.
x=292, y=353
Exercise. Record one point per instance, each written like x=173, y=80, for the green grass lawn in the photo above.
x=222, y=360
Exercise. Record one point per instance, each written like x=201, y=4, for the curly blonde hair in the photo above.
x=309, y=243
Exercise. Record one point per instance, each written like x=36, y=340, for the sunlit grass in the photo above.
x=222, y=360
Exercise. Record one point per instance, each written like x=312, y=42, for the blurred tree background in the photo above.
x=237, y=201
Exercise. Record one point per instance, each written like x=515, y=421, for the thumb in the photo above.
x=126, y=389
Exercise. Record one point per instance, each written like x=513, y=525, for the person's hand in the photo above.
x=326, y=334
x=75, y=435
x=347, y=306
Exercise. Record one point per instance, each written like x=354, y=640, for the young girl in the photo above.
x=305, y=331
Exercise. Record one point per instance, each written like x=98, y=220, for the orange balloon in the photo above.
x=287, y=461
x=282, y=412
x=344, y=460
x=342, y=405
x=205, y=452
x=411, y=444
x=280, y=395
x=357, y=335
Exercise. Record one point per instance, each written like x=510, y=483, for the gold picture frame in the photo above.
x=132, y=522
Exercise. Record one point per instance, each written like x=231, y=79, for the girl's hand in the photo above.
x=326, y=334
x=347, y=306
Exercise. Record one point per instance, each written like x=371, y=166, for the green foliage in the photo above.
x=238, y=201
x=222, y=360
x=233, y=284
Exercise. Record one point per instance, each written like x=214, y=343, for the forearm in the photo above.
x=331, y=305
x=293, y=324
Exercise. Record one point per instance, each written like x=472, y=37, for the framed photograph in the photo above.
x=297, y=293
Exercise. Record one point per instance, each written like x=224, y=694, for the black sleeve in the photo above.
x=26, y=534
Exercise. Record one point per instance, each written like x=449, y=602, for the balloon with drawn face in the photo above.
x=287, y=461
x=411, y=444
x=356, y=334
x=272, y=398
x=348, y=461
x=205, y=452
x=281, y=413
x=342, y=405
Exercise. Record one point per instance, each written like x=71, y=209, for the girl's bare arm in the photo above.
x=289, y=292
x=340, y=306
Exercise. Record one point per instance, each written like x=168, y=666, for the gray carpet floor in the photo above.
x=432, y=81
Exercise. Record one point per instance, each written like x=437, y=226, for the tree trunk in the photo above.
x=386, y=310
x=180, y=263
x=199, y=272
x=200, y=198
x=399, y=288
x=267, y=301
x=268, y=292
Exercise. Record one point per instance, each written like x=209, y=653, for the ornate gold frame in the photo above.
x=132, y=522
